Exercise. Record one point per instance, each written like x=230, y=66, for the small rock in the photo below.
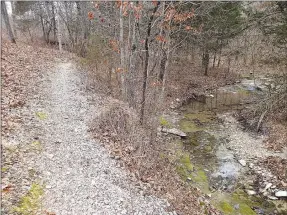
x=281, y=193
x=189, y=179
x=50, y=156
x=272, y=197
x=251, y=165
x=48, y=186
x=236, y=207
x=250, y=192
x=178, y=100
x=265, y=193
x=242, y=162
x=274, y=186
x=267, y=186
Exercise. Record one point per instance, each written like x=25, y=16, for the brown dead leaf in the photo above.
x=7, y=188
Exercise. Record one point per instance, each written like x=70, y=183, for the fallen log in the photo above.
x=174, y=131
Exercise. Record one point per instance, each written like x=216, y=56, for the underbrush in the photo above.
x=147, y=156
x=187, y=79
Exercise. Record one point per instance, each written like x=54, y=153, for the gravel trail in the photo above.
x=79, y=175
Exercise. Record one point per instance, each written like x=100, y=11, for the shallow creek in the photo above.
x=208, y=162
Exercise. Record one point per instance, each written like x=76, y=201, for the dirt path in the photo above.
x=79, y=175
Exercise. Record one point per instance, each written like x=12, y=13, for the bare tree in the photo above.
x=7, y=22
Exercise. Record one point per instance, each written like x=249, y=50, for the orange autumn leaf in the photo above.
x=160, y=38
x=181, y=17
x=156, y=83
x=154, y=2
x=125, y=13
x=7, y=188
x=119, y=70
x=91, y=15
x=114, y=45
x=169, y=14
x=118, y=3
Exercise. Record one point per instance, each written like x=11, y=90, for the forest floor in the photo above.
x=50, y=163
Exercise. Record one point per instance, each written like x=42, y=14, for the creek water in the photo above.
x=208, y=163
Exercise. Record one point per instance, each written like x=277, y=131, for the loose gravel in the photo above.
x=79, y=175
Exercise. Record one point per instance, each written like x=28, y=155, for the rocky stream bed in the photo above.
x=222, y=159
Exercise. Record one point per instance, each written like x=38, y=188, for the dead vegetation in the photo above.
x=146, y=157
x=278, y=167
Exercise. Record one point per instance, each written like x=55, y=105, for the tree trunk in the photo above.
x=54, y=21
x=122, y=56
x=205, y=61
x=7, y=23
x=13, y=19
x=229, y=62
x=219, y=56
x=145, y=72
x=59, y=29
x=132, y=68
x=214, y=58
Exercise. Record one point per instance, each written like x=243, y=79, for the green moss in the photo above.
x=225, y=207
x=208, y=148
x=185, y=160
x=164, y=122
x=243, y=92
x=189, y=126
x=202, y=117
x=185, y=167
x=162, y=155
x=246, y=203
x=4, y=169
x=32, y=172
x=31, y=202
x=200, y=176
x=193, y=139
x=197, y=121
x=41, y=115
x=244, y=209
x=36, y=145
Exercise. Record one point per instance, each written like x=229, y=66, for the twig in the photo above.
x=5, y=59
x=260, y=120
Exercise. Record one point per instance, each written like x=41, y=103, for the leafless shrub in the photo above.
x=120, y=131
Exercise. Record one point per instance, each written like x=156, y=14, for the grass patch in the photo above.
x=4, y=169
x=30, y=203
x=225, y=207
x=163, y=122
x=41, y=115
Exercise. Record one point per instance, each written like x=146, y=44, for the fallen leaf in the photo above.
x=7, y=188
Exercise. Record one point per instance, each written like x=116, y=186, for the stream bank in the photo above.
x=221, y=158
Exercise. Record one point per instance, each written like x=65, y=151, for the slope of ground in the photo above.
x=50, y=164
